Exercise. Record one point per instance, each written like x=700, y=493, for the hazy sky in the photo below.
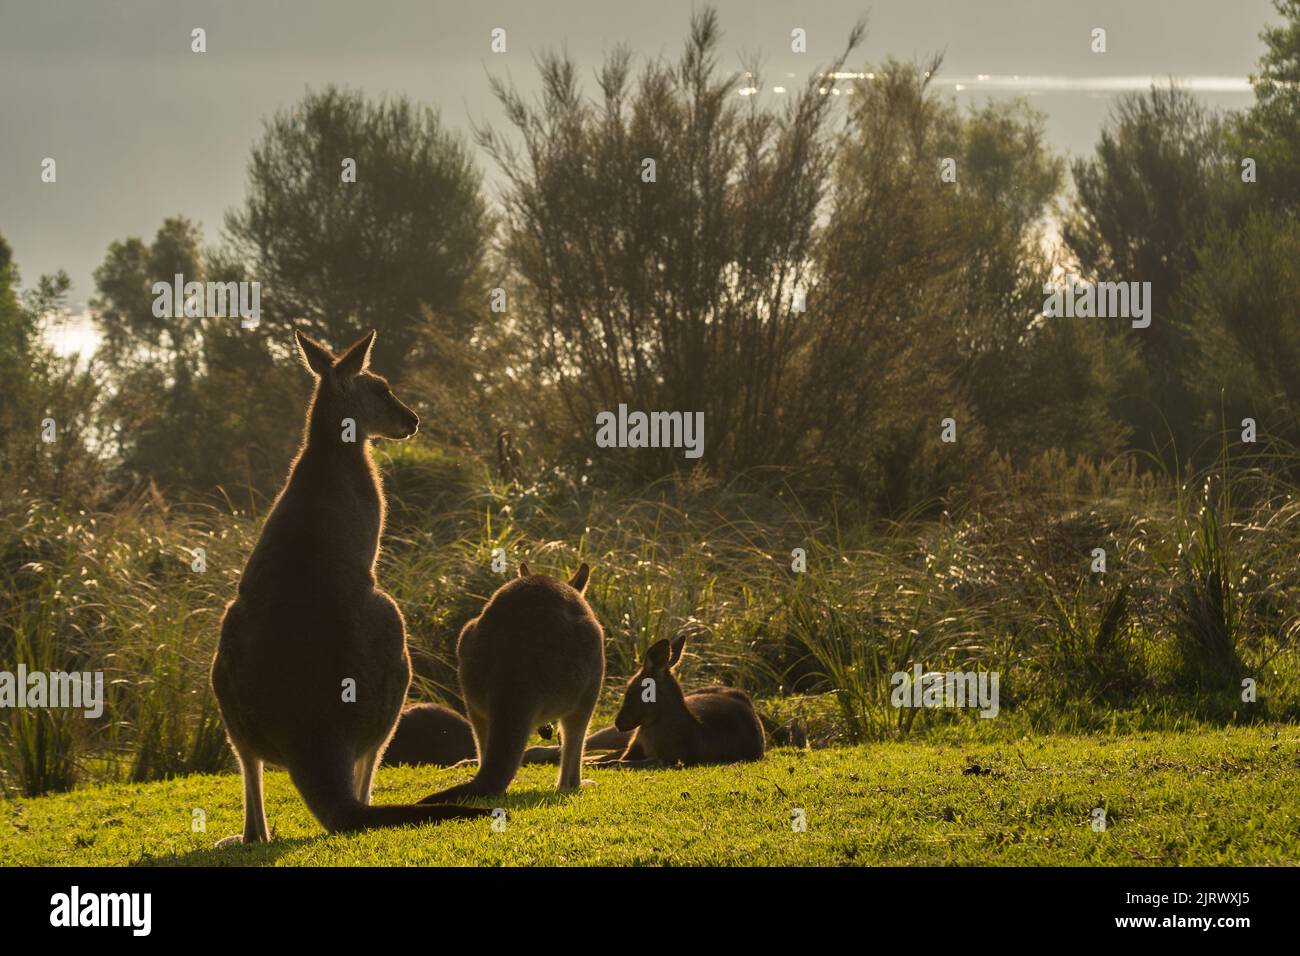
x=141, y=128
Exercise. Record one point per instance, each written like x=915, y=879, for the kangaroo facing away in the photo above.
x=535, y=655
x=311, y=670
x=711, y=725
x=430, y=734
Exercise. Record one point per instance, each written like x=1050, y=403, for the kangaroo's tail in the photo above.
x=327, y=788
x=507, y=736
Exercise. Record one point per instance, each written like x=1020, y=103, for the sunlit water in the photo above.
x=76, y=335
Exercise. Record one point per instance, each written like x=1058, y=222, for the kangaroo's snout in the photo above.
x=395, y=419
x=412, y=423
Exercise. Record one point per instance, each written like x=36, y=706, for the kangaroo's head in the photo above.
x=578, y=582
x=346, y=388
x=638, y=701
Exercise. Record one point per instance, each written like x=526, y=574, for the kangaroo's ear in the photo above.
x=677, y=646
x=523, y=569
x=579, y=580
x=656, y=658
x=354, y=361
x=314, y=355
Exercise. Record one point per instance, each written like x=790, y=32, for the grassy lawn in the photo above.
x=1202, y=797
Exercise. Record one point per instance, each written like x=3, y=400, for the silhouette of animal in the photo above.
x=708, y=726
x=430, y=734
x=312, y=669
x=792, y=733
x=535, y=654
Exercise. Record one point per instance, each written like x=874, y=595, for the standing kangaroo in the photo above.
x=711, y=725
x=312, y=669
x=536, y=654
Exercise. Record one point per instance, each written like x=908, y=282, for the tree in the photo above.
x=929, y=297
x=40, y=387
x=1161, y=176
x=1247, y=323
x=194, y=402
x=1242, y=298
x=338, y=257
x=657, y=238
x=1270, y=131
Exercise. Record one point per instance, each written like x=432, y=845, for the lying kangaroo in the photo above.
x=312, y=669
x=430, y=734
x=792, y=733
x=535, y=654
x=711, y=725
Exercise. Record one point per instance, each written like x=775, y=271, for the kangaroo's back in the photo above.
x=730, y=729
x=534, y=656
x=536, y=643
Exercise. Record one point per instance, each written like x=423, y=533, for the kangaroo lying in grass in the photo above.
x=792, y=733
x=430, y=734
x=536, y=654
x=711, y=725
x=312, y=668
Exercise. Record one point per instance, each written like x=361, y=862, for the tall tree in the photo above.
x=1243, y=297
x=1247, y=323
x=45, y=397
x=929, y=294
x=1161, y=176
x=657, y=238
x=195, y=401
x=1270, y=133
x=338, y=256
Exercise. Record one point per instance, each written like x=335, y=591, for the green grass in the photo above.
x=1200, y=797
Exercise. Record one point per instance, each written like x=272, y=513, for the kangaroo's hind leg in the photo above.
x=573, y=734
x=255, y=828
x=501, y=750
x=478, y=722
x=365, y=775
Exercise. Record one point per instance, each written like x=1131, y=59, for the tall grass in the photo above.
x=1201, y=590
